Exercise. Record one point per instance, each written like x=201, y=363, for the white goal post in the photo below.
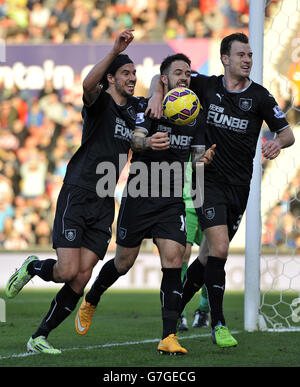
x=253, y=211
x=276, y=306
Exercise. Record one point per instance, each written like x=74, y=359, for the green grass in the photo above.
x=122, y=320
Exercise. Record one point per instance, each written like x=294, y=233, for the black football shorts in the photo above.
x=223, y=204
x=82, y=219
x=141, y=218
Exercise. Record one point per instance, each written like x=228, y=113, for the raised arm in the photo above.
x=156, y=93
x=91, y=85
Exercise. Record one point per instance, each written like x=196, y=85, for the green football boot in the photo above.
x=41, y=345
x=221, y=336
x=19, y=279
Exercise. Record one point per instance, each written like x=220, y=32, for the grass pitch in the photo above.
x=125, y=333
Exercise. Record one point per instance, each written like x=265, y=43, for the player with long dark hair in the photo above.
x=84, y=212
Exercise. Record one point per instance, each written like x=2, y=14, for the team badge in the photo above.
x=70, y=234
x=209, y=213
x=131, y=111
x=245, y=104
x=122, y=233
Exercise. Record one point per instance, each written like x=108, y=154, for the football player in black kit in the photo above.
x=235, y=108
x=153, y=214
x=84, y=214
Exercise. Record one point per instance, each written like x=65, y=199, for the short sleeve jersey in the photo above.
x=174, y=159
x=233, y=123
x=107, y=131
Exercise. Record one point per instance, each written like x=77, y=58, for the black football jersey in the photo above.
x=182, y=139
x=107, y=131
x=233, y=123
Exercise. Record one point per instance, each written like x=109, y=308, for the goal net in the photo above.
x=272, y=275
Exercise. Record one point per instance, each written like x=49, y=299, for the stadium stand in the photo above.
x=78, y=21
x=38, y=135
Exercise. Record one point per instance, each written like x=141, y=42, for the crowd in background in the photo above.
x=78, y=21
x=282, y=226
x=37, y=138
x=39, y=134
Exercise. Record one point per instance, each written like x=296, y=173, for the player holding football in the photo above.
x=158, y=216
x=82, y=225
x=235, y=108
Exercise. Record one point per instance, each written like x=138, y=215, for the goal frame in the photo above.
x=253, y=210
x=253, y=309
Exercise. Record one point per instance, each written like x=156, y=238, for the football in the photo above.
x=181, y=106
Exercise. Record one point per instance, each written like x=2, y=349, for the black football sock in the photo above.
x=215, y=285
x=107, y=277
x=192, y=282
x=43, y=269
x=170, y=296
x=61, y=307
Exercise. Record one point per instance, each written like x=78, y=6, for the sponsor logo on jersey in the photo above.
x=209, y=213
x=216, y=108
x=245, y=104
x=132, y=113
x=278, y=113
x=121, y=130
x=70, y=234
x=179, y=141
x=216, y=117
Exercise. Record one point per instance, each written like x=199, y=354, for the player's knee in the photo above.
x=124, y=261
x=220, y=250
x=123, y=266
x=82, y=278
x=64, y=275
x=80, y=281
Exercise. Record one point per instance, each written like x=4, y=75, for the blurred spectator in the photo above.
x=33, y=177
x=8, y=114
x=6, y=211
x=35, y=114
x=53, y=108
x=282, y=227
x=78, y=21
x=39, y=15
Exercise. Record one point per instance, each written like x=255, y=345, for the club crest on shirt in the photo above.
x=131, y=111
x=245, y=104
x=70, y=234
x=209, y=213
x=122, y=232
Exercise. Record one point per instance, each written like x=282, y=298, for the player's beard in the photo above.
x=178, y=84
x=122, y=90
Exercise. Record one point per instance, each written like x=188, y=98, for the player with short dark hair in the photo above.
x=85, y=212
x=154, y=215
x=235, y=108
